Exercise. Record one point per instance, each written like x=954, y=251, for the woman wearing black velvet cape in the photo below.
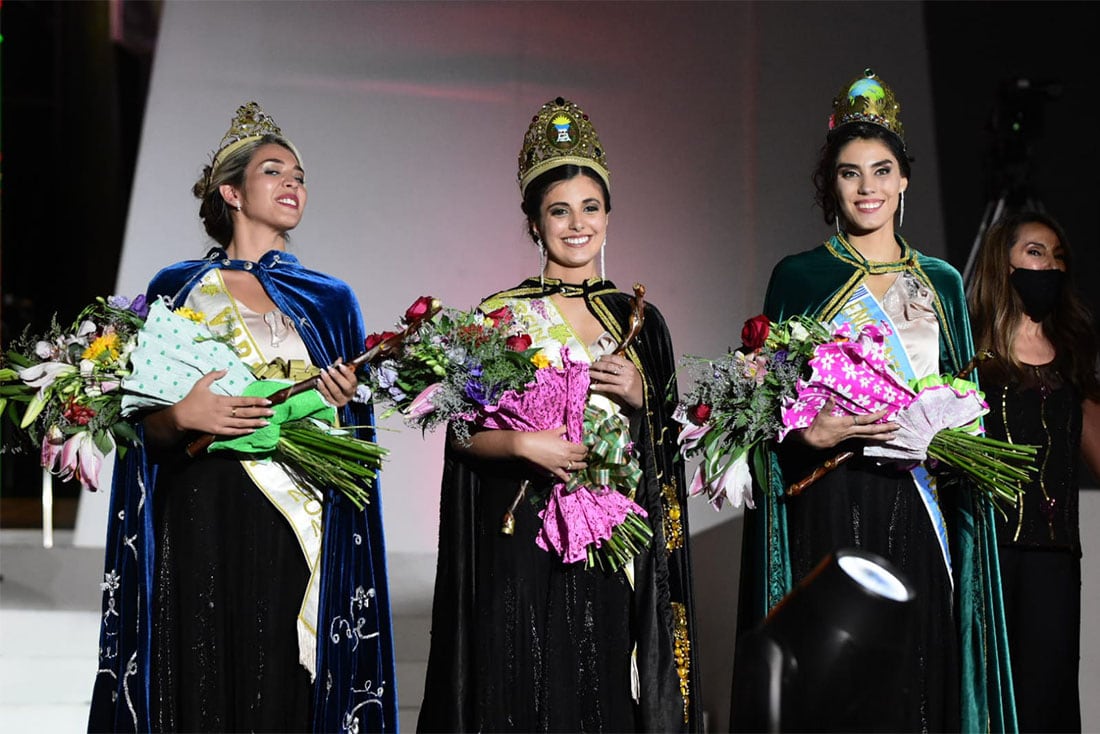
x=520, y=640
x=1038, y=347
x=940, y=540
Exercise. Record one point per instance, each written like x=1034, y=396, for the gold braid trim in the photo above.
x=674, y=526
x=682, y=652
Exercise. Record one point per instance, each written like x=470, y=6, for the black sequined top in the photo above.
x=1042, y=409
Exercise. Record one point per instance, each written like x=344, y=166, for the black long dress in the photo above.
x=227, y=588
x=1040, y=545
x=522, y=642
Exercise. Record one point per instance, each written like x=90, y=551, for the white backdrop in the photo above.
x=410, y=117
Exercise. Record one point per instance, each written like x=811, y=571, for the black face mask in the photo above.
x=1038, y=289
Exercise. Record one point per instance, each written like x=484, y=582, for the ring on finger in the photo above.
x=569, y=466
x=233, y=412
x=855, y=420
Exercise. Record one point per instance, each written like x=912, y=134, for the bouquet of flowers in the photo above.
x=472, y=369
x=67, y=382
x=120, y=357
x=787, y=373
x=732, y=408
x=452, y=365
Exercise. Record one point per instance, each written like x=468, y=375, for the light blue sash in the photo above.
x=862, y=309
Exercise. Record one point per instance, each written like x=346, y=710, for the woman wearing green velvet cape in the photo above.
x=521, y=640
x=940, y=537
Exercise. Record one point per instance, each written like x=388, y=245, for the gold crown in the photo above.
x=250, y=123
x=560, y=134
x=867, y=99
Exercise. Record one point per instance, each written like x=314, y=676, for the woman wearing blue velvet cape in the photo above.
x=232, y=600
x=940, y=537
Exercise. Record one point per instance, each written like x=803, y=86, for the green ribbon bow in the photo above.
x=262, y=441
x=610, y=463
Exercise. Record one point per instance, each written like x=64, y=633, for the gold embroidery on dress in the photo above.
x=682, y=652
x=674, y=526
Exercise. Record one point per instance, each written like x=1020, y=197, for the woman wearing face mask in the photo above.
x=521, y=640
x=867, y=273
x=1039, y=350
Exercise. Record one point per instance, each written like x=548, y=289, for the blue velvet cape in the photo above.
x=355, y=685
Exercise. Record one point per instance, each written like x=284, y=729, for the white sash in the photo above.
x=300, y=508
x=863, y=308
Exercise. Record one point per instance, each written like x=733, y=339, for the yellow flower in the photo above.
x=540, y=360
x=108, y=343
x=197, y=316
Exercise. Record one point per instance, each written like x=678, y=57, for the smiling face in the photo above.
x=868, y=184
x=573, y=225
x=274, y=190
x=1036, y=247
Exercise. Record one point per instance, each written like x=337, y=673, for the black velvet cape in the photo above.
x=658, y=615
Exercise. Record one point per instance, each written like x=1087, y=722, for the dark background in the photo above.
x=1013, y=105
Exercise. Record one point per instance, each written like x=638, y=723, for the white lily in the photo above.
x=43, y=374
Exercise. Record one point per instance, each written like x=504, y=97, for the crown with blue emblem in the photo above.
x=867, y=99
x=560, y=134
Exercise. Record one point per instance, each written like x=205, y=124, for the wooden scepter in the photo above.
x=637, y=319
x=382, y=348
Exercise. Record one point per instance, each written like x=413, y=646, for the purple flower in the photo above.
x=119, y=302
x=476, y=391
x=781, y=356
x=140, y=306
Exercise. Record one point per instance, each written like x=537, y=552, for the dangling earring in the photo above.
x=603, y=272
x=901, y=208
x=542, y=259
x=836, y=221
x=238, y=206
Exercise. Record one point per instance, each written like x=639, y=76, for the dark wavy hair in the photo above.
x=996, y=308
x=536, y=191
x=214, y=211
x=824, y=176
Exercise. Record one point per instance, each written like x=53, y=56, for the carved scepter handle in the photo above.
x=637, y=319
x=796, y=489
x=381, y=349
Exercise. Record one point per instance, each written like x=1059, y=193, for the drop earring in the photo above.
x=836, y=221
x=901, y=208
x=542, y=260
x=603, y=272
x=238, y=206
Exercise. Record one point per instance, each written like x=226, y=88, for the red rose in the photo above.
x=420, y=308
x=375, y=339
x=502, y=315
x=699, y=414
x=519, y=343
x=755, y=332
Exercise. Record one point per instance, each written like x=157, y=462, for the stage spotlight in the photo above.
x=832, y=655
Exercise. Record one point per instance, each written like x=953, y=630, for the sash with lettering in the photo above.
x=300, y=509
x=863, y=308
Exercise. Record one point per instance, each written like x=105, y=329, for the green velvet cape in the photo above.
x=818, y=283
